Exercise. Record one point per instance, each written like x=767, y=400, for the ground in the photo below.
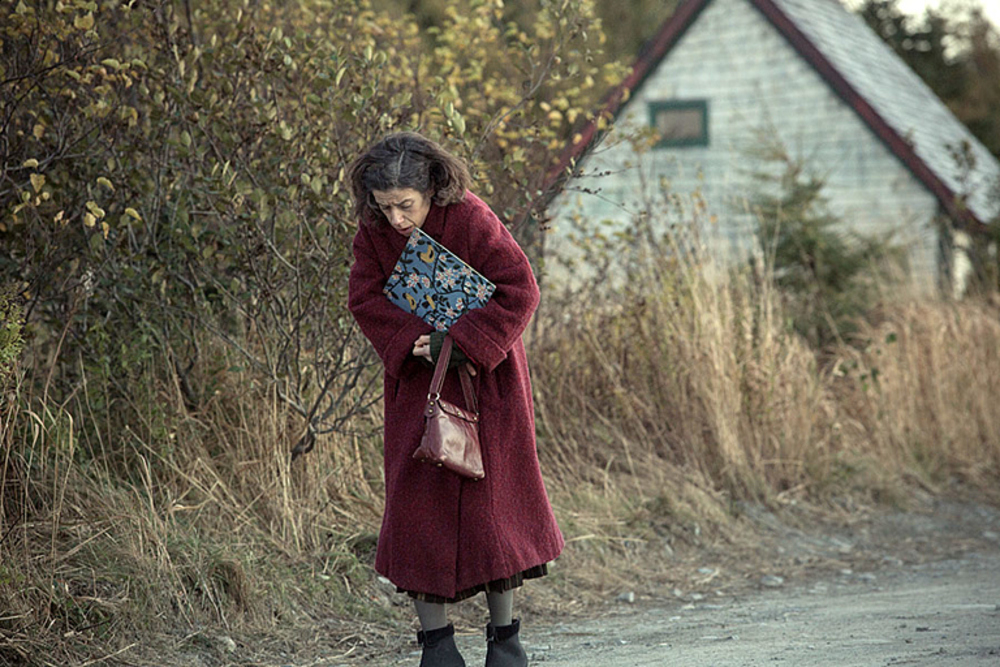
x=887, y=587
x=915, y=584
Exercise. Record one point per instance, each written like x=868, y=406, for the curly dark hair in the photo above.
x=406, y=160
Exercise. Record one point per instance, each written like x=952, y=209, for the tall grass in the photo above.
x=923, y=391
x=154, y=520
x=664, y=402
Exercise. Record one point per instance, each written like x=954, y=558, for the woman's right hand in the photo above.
x=422, y=347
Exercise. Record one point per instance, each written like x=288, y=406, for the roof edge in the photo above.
x=885, y=132
x=670, y=31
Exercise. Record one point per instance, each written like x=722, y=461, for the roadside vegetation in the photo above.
x=174, y=242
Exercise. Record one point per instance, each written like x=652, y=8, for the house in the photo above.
x=722, y=78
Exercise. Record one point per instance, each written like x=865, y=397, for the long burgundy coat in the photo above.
x=440, y=533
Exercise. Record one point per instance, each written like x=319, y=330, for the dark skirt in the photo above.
x=495, y=586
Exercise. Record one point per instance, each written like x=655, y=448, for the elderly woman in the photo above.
x=445, y=538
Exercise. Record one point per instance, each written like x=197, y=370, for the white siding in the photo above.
x=758, y=89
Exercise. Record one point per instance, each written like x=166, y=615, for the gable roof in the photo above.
x=902, y=111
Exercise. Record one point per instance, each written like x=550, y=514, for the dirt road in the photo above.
x=945, y=613
x=925, y=591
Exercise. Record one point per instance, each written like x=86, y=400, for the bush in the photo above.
x=829, y=278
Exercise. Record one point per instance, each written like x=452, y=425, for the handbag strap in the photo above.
x=463, y=374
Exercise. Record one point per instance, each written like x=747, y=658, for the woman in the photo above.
x=445, y=538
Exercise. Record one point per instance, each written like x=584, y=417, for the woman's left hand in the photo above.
x=422, y=347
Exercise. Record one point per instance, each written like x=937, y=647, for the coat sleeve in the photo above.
x=390, y=329
x=487, y=334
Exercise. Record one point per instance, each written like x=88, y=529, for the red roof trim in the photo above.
x=879, y=126
x=668, y=35
x=672, y=30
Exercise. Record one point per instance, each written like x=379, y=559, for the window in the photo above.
x=680, y=123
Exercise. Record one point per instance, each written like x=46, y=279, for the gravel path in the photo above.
x=924, y=590
x=945, y=613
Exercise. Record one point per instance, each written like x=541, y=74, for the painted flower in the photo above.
x=412, y=279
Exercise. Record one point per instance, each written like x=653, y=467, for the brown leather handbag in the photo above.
x=451, y=434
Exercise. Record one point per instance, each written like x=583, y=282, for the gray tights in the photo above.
x=433, y=615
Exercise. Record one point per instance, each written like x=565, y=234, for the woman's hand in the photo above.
x=422, y=347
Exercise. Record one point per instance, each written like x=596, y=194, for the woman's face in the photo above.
x=404, y=208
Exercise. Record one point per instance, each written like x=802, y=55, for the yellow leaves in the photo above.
x=101, y=180
x=455, y=118
x=30, y=163
x=105, y=228
x=85, y=22
x=95, y=210
x=89, y=220
x=112, y=62
x=129, y=115
x=38, y=130
x=132, y=213
x=37, y=181
x=60, y=217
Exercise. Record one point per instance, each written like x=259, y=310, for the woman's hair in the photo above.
x=406, y=160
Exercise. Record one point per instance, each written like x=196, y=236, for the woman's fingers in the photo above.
x=472, y=369
x=422, y=347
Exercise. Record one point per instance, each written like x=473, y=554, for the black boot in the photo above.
x=503, y=648
x=439, y=648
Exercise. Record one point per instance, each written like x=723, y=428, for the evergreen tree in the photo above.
x=829, y=278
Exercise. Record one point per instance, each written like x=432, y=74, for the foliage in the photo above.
x=829, y=278
x=11, y=339
x=174, y=167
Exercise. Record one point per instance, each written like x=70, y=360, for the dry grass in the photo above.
x=923, y=392
x=157, y=520
x=138, y=525
x=661, y=410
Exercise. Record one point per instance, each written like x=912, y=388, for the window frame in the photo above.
x=670, y=105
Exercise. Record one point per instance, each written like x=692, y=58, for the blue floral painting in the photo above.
x=435, y=284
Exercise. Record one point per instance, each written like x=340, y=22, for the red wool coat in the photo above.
x=440, y=533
